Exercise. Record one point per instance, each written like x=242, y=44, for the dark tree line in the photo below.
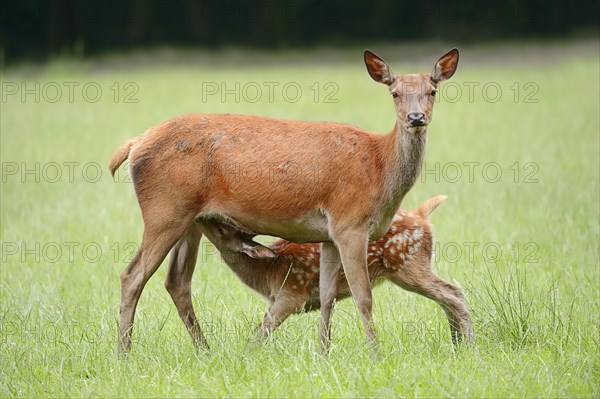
x=38, y=29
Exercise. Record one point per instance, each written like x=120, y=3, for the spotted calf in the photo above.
x=287, y=273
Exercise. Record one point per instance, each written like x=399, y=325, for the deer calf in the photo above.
x=287, y=273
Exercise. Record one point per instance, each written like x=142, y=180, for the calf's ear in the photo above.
x=257, y=251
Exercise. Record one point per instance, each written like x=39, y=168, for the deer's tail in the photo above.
x=429, y=205
x=120, y=155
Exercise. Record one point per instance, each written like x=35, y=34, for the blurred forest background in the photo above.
x=40, y=29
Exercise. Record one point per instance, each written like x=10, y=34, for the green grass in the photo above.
x=524, y=247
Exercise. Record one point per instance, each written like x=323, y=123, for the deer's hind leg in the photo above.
x=179, y=280
x=423, y=281
x=160, y=234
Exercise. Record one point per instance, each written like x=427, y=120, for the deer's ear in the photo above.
x=257, y=251
x=445, y=67
x=379, y=69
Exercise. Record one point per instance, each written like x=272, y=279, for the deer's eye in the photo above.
x=433, y=93
x=394, y=94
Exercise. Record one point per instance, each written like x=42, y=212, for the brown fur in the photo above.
x=303, y=181
x=119, y=156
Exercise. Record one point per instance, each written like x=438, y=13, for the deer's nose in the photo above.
x=416, y=118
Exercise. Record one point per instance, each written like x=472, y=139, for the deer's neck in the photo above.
x=407, y=151
x=255, y=273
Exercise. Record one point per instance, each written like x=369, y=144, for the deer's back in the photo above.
x=273, y=176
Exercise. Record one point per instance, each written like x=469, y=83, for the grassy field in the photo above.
x=514, y=144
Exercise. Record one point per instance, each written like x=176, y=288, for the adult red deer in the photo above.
x=309, y=182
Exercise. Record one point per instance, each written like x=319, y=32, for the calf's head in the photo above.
x=230, y=240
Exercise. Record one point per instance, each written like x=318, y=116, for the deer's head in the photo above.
x=228, y=239
x=414, y=94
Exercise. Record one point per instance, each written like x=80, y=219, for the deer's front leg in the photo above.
x=353, y=252
x=330, y=264
x=283, y=306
